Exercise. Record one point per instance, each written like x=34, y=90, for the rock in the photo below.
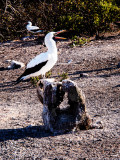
x=69, y=61
x=15, y=64
x=58, y=120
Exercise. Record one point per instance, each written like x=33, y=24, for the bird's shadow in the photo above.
x=96, y=70
x=14, y=87
x=19, y=133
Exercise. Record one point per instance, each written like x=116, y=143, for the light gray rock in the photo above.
x=15, y=64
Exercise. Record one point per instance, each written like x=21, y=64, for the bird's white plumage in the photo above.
x=32, y=28
x=50, y=56
x=38, y=59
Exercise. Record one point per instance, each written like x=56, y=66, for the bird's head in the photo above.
x=49, y=38
x=56, y=33
x=52, y=35
x=28, y=23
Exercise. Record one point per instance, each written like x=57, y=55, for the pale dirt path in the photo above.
x=22, y=134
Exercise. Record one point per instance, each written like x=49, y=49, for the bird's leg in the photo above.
x=28, y=34
x=43, y=76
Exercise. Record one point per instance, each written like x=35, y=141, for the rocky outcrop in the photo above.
x=72, y=114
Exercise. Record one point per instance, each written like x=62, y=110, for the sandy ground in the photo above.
x=95, y=68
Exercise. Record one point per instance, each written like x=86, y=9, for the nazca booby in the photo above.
x=43, y=62
x=33, y=29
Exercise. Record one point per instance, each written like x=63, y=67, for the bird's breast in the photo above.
x=52, y=56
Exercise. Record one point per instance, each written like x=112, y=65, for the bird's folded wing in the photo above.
x=34, y=28
x=38, y=59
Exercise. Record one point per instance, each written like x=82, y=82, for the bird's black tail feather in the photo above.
x=19, y=79
x=31, y=70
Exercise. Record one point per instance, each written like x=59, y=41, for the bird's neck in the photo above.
x=29, y=24
x=51, y=45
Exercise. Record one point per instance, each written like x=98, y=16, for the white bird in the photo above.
x=33, y=29
x=43, y=62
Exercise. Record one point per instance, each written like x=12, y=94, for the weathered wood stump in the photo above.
x=60, y=120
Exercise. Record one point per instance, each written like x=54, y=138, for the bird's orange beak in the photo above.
x=59, y=33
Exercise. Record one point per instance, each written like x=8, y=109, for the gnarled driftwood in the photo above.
x=59, y=120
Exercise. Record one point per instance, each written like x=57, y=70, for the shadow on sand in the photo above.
x=30, y=131
x=3, y=68
x=80, y=74
x=26, y=41
x=15, y=87
x=96, y=70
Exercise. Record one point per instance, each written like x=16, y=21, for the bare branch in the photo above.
x=6, y=6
